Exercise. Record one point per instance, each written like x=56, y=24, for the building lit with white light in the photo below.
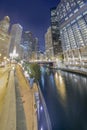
x=16, y=33
x=72, y=18
x=4, y=37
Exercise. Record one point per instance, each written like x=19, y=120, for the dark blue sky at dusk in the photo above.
x=33, y=15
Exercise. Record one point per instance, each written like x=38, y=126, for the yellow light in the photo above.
x=5, y=58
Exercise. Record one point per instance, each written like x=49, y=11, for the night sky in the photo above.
x=33, y=15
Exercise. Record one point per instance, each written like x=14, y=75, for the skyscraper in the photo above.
x=57, y=48
x=30, y=45
x=4, y=37
x=5, y=24
x=48, y=44
x=72, y=18
x=16, y=33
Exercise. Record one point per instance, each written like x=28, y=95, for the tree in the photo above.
x=35, y=71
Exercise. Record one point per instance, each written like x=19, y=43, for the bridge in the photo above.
x=44, y=62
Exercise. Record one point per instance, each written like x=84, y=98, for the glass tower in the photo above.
x=56, y=42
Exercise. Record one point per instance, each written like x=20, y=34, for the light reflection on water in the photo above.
x=66, y=98
x=60, y=87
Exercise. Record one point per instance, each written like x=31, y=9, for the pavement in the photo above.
x=28, y=100
x=20, y=115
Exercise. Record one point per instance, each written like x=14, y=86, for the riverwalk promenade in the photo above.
x=17, y=102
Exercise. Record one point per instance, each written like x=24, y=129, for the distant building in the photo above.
x=27, y=40
x=48, y=44
x=4, y=37
x=5, y=24
x=35, y=47
x=72, y=18
x=30, y=45
x=57, y=47
x=16, y=33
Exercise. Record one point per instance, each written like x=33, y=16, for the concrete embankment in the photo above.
x=74, y=70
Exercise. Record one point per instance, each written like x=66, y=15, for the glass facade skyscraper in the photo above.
x=56, y=42
x=72, y=18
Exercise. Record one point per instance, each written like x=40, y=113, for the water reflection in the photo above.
x=66, y=99
x=60, y=87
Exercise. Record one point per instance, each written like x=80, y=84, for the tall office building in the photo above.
x=72, y=18
x=4, y=37
x=16, y=33
x=57, y=48
x=27, y=44
x=48, y=44
x=30, y=45
x=35, y=47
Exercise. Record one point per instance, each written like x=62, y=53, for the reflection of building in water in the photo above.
x=60, y=87
x=4, y=36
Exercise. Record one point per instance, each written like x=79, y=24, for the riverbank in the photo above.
x=28, y=100
x=77, y=70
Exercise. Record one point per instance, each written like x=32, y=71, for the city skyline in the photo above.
x=33, y=16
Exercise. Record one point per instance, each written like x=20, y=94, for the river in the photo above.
x=65, y=96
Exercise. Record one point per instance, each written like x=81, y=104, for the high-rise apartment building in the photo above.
x=16, y=33
x=72, y=18
x=48, y=44
x=57, y=48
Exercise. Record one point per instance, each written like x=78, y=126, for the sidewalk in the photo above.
x=28, y=100
x=20, y=115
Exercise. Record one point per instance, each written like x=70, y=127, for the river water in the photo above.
x=65, y=96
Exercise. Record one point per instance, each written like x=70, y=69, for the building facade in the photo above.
x=72, y=18
x=4, y=37
x=48, y=44
x=30, y=45
x=56, y=42
x=35, y=48
x=16, y=33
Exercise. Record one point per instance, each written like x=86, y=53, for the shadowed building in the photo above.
x=48, y=44
x=29, y=45
x=56, y=42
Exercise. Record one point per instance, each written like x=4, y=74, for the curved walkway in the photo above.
x=20, y=115
x=28, y=100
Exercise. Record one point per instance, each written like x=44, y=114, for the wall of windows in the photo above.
x=57, y=48
x=67, y=8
